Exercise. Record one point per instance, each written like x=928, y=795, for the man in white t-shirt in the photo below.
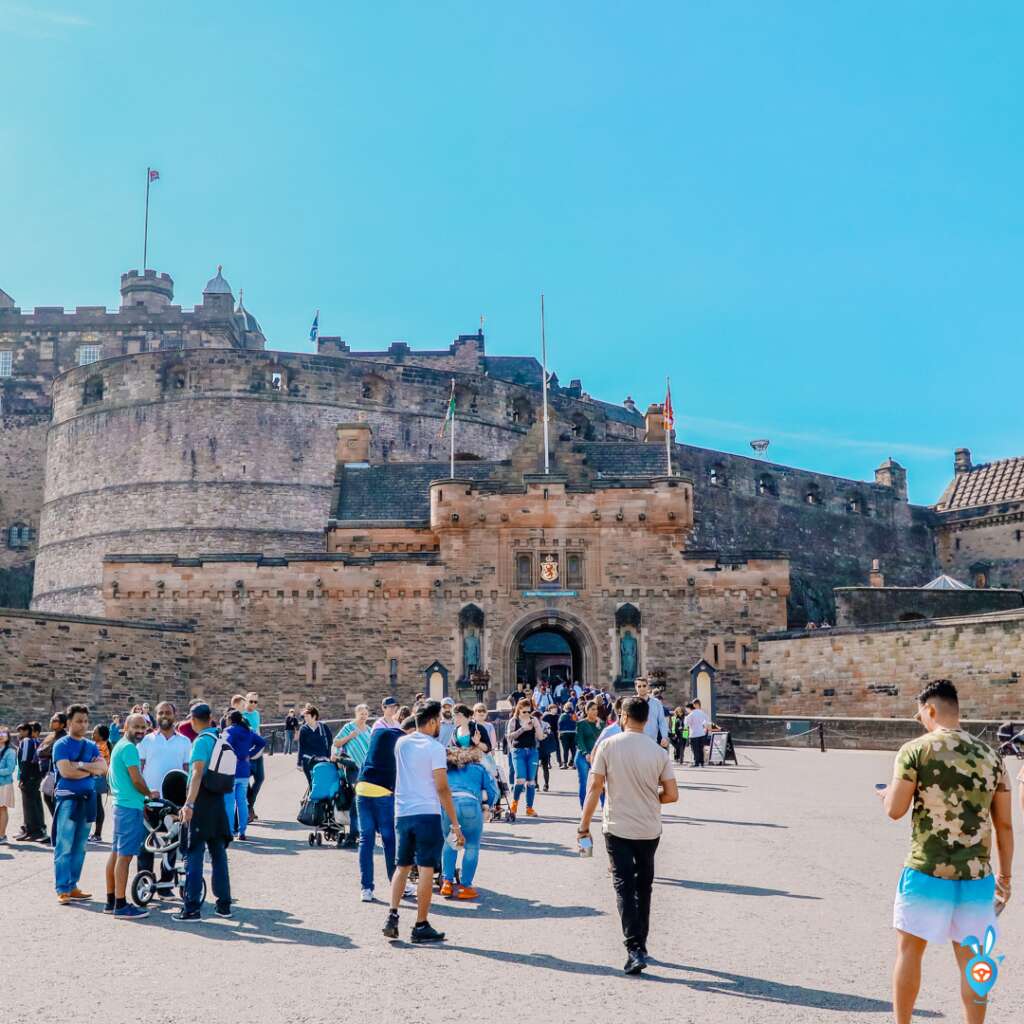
x=160, y=752
x=636, y=773
x=697, y=722
x=421, y=790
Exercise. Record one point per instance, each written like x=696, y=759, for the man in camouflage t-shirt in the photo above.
x=960, y=797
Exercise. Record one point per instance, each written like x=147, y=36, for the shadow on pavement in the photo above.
x=509, y=908
x=727, y=887
x=717, y=982
x=276, y=927
x=720, y=821
x=515, y=844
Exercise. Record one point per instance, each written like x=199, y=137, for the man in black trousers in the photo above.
x=636, y=773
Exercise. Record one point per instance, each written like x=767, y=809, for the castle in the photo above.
x=189, y=510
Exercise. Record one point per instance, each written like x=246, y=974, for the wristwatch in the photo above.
x=191, y=805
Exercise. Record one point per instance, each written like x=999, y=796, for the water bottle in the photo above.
x=586, y=845
x=451, y=840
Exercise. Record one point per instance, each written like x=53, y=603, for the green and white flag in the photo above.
x=449, y=416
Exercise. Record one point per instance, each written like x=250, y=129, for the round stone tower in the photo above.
x=149, y=289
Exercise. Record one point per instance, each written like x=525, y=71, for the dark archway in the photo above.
x=549, y=644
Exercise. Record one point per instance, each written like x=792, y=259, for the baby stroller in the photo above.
x=163, y=837
x=497, y=770
x=1011, y=739
x=326, y=807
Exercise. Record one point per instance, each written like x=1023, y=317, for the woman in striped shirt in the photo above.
x=351, y=746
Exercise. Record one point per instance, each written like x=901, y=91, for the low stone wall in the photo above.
x=840, y=733
x=877, y=671
x=50, y=661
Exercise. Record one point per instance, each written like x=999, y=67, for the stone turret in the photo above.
x=654, y=422
x=891, y=474
x=149, y=289
x=217, y=297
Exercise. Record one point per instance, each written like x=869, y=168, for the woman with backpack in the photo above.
x=467, y=779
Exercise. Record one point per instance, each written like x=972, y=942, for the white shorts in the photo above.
x=944, y=909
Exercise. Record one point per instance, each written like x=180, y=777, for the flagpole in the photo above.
x=544, y=370
x=668, y=427
x=145, y=230
x=451, y=464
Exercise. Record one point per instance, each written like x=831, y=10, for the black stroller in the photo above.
x=163, y=837
x=1011, y=739
x=327, y=806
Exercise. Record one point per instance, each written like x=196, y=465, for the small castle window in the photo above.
x=92, y=391
x=88, y=354
x=813, y=495
x=981, y=580
x=855, y=505
x=574, y=570
x=46, y=351
x=956, y=544
x=20, y=536
x=313, y=669
x=1017, y=533
x=276, y=380
x=766, y=485
x=393, y=673
x=716, y=475
x=6, y=363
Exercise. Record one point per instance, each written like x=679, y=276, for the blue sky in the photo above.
x=808, y=214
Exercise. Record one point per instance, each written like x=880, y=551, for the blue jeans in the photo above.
x=376, y=814
x=194, y=857
x=238, y=799
x=471, y=818
x=583, y=771
x=69, y=848
x=527, y=759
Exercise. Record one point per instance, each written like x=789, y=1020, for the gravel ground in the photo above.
x=772, y=903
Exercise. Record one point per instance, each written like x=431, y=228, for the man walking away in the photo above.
x=206, y=825
x=421, y=790
x=566, y=737
x=587, y=733
x=29, y=780
x=697, y=724
x=128, y=790
x=960, y=796
x=78, y=762
x=637, y=774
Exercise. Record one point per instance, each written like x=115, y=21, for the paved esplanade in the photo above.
x=773, y=903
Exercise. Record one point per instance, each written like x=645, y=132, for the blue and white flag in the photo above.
x=314, y=331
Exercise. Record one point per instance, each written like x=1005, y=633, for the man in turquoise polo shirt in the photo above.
x=129, y=791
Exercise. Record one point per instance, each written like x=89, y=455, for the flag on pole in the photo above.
x=449, y=416
x=154, y=175
x=314, y=331
x=670, y=421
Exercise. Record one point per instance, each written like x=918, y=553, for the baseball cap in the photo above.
x=389, y=702
x=201, y=710
x=447, y=701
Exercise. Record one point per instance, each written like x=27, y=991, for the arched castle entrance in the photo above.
x=549, y=645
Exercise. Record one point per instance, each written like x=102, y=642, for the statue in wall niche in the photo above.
x=471, y=652
x=627, y=657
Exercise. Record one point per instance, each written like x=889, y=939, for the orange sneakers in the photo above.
x=530, y=812
x=467, y=892
x=63, y=898
x=446, y=888
x=77, y=894
x=514, y=808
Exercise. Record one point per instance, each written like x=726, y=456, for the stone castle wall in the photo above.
x=989, y=541
x=878, y=670
x=234, y=451
x=50, y=661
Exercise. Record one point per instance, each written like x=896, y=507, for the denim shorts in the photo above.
x=129, y=831
x=420, y=839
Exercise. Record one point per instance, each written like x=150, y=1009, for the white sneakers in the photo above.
x=367, y=896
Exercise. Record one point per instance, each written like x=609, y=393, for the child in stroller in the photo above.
x=327, y=806
x=163, y=837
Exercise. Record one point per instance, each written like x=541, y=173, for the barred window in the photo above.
x=89, y=354
x=6, y=363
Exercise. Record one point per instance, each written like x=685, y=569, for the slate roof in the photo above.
x=623, y=458
x=398, y=490
x=524, y=370
x=620, y=413
x=985, y=485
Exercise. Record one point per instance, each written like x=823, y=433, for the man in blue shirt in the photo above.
x=206, y=825
x=77, y=762
x=656, y=725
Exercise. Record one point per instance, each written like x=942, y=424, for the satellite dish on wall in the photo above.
x=760, y=445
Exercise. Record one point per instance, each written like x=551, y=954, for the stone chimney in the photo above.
x=962, y=461
x=149, y=289
x=654, y=422
x=875, y=577
x=353, y=443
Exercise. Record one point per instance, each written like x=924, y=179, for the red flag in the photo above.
x=154, y=175
x=670, y=420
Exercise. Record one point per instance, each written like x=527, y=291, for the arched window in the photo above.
x=574, y=569
x=766, y=485
x=92, y=391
